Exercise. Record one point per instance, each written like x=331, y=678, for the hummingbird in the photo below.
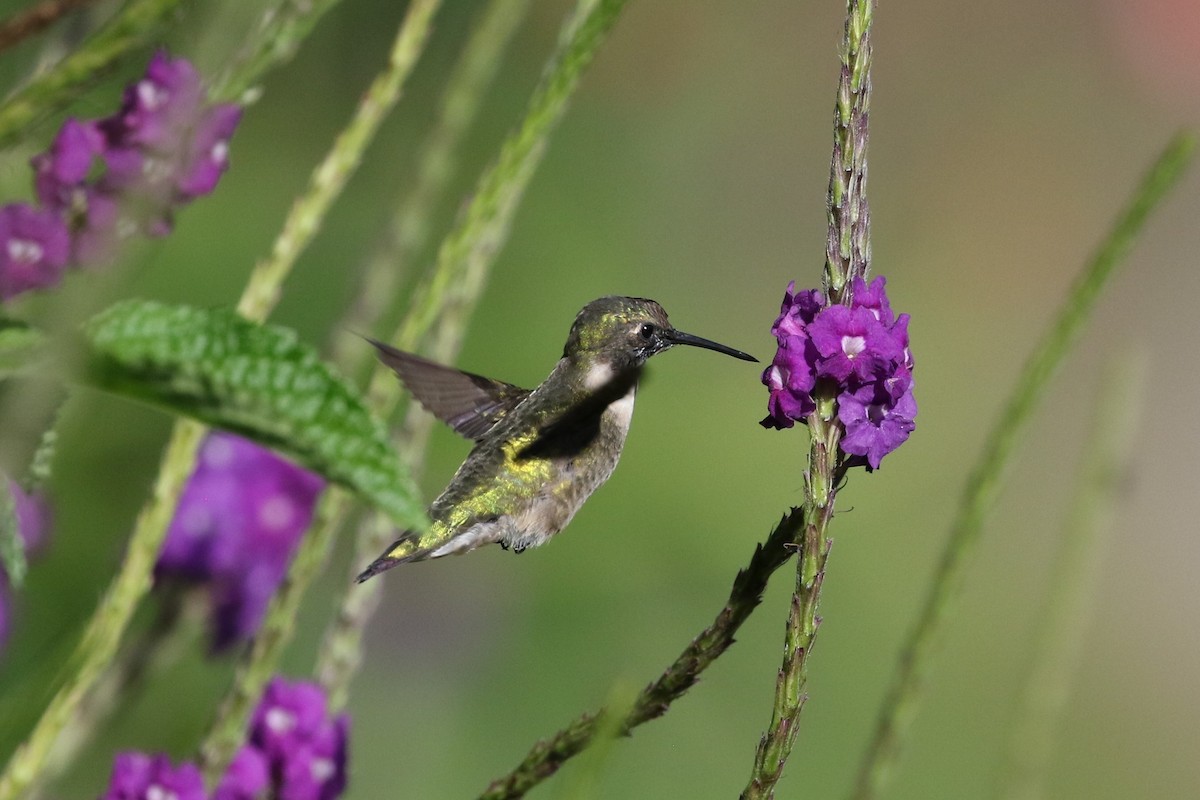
x=538, y=454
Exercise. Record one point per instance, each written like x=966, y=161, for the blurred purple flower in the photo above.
x=207, y=155
x=305, y=749
x=860, y=351
x=34, y=247
x=33, y=525
x=239, y=520
x=104, y=180
x=247, y=778
x=136, y=776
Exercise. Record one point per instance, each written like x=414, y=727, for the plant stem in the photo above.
x=983, y=485
x=256, y=669
x=262, y=292
x=408, y=231
x=260, y=296
x=280, y=31
x=1074, y=579
x=547, y=756
x=847, y=256
x=448, y=295
x=848, y=250
x=103, y=633
x=131, y=27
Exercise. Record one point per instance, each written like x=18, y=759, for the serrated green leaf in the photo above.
x=12, y=549
x=255, y=380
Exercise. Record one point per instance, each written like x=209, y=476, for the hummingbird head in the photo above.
x=622, y=332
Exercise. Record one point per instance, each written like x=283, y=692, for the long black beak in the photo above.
x=679, y=337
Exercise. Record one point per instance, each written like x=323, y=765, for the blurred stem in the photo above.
x=103, y=633
x=137, y=23
x=256, y=669
x=35, y=19
x=1074, y=579
x=162, y=643
x=408, y=231
x=281, y=30
x=848, y=250
x=343, y=159
x=547, y=756
x=449, y=294
x=260, y=296
x=983, y=485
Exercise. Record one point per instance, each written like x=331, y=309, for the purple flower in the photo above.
x=32, y=513
x=136, y=776
x=797, y=311
x=306, y=750
x=160, y=108
x=247, y=778
x=238, y=522
x=34, y=247
x=208, y=152
x=878, y=417
x=858, y=352
x=852, y=342
x=61, y=171
x=790, y=379
x=873, y=298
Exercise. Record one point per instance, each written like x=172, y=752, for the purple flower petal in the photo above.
x=247, y=778
x=208, y=153
x=289, y=716
x=34, y=248
x=876, y=420
x=60, y=171
x=852, y=342
x=873, y=298
x=136, y=776
x=798, y=309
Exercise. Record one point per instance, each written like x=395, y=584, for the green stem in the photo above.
x=259, y=297
x=1074, y=580
x=103, y=633
x=132, y=27
x=256, y=669
x=280, y=32
x=848, y=250
x=848, y=255
x=408, y=232
x=262, y=292
x=449, y=294
x=547, y=756
x=983, y=485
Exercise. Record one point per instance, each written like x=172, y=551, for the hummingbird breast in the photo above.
x=527, y=489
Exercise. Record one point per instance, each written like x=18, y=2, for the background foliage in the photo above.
x=692, y=169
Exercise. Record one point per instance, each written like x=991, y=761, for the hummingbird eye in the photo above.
x=646, y=331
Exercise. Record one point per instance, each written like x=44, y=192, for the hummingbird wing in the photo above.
x=470, y=404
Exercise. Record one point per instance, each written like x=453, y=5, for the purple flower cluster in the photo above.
x=238, y=522
x=294, y=752
x=33, y=525
x=103, y=180
x=858, y=352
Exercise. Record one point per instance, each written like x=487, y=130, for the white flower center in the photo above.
x=853, y=345
x=322, y=769
x=156, y=792
x=219, y=153
x=775, y=378
x=280, y=720
x=151, y=94
x=276, y=513
x=25, y=251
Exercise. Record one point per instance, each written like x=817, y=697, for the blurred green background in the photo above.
x=692, y=168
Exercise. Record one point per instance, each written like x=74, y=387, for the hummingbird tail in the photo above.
x=405, y=549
